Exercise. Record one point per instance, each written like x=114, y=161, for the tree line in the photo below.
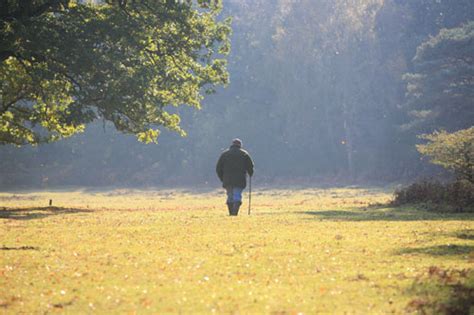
x=320, y=92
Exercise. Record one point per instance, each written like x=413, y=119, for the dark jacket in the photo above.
x=232, y=166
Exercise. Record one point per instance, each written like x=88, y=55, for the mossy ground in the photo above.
x=300, y=251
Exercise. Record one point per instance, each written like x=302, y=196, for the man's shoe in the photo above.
x=235, y=210
x=230, y=206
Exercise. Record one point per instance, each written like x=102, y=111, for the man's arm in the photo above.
x=249, y=165
x=220, y=168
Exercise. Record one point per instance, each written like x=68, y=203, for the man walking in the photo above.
x=234, y=163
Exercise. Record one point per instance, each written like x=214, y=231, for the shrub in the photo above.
x=454, y=151
x=455, y=196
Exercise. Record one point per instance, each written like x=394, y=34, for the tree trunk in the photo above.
x=348, y=139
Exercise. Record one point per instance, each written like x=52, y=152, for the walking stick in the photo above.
x=250, y=192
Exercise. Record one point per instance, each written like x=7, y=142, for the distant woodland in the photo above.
x=320, y=92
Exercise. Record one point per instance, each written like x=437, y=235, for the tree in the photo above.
x=441, y=90
x=453, y=151
x=64, y=64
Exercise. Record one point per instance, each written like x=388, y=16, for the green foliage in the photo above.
x=453, y=151
x=315, y=95
x=441, y=89
x=65, y=64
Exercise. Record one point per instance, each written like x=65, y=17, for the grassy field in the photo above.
x=301, y=251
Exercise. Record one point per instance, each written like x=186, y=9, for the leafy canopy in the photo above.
x=64, y=64
x=441, y=90
x=453, y=151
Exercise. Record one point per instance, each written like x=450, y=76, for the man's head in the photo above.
x=237, y=142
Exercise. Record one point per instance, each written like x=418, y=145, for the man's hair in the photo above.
x=237, y=142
